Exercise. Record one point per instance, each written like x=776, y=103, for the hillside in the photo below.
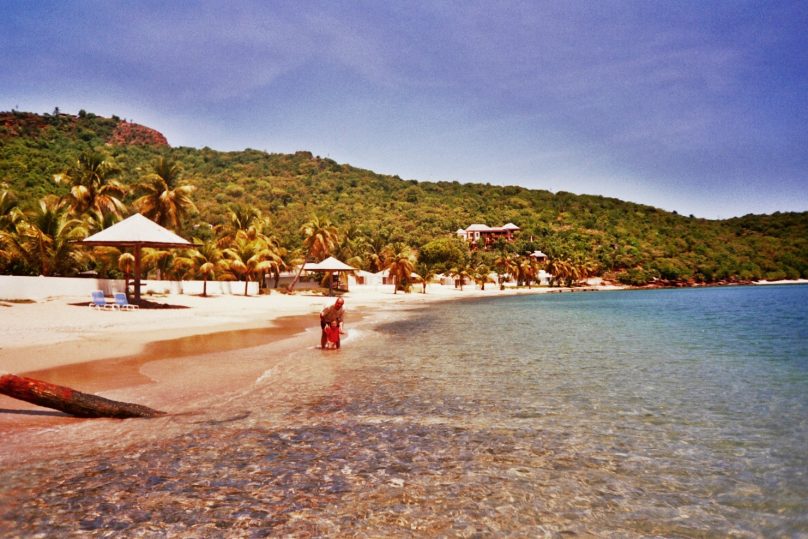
x=636, y=242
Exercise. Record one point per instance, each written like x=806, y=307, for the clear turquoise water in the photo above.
x=665, y=413
x=672, y=411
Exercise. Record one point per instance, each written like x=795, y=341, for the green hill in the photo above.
x=633, y=242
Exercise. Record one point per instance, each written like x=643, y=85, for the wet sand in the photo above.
x=126, y=374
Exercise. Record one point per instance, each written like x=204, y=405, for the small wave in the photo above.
x=266, y=375
x=353, y=334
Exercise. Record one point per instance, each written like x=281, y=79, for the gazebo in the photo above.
x=329, y=265
x=137, y=232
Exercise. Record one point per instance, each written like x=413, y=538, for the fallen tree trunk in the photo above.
x=70, y=401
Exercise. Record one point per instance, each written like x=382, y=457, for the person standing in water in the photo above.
x=332, y=332
x=330, y=314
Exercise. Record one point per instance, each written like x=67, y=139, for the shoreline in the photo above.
x=75, y=333
x=116, y=354
x=63, y=341
x=61, y=331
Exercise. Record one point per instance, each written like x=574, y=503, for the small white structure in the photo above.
x=332, y=266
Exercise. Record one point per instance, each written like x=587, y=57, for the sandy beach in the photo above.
x=152, y=356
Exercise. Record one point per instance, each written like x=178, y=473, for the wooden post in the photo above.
x=70, y=401
x=137, y=273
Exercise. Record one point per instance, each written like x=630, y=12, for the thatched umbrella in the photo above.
x=329, y=265
x=137, y=232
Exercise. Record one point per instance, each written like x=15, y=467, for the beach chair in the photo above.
x=100, y=302
x=123, y=303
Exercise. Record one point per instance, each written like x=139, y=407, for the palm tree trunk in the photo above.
x=205, y=288
x=69, y=400
x=137, y=273
x=297, y=278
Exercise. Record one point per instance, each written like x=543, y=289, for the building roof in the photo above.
x=479, y=227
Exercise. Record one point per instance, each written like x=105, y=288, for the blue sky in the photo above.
x=698, y=107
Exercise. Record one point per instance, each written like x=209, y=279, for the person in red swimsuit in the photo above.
x=332, y=335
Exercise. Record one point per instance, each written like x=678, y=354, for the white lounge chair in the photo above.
x=100, y=302
x=122, y=303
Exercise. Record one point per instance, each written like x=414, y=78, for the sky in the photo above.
x=689, y=106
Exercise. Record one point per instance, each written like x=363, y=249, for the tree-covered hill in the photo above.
x=605, y=236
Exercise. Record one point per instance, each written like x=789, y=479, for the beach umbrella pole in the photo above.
x=137, y=274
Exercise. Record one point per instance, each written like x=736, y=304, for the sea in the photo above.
x=641, y=413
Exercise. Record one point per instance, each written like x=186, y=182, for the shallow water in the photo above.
x=675, y=413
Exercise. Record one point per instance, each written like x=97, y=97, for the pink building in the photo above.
x=476, y=232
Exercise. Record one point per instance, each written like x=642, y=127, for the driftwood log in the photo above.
x=69, y=400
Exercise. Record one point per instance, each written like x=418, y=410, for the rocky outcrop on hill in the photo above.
x=16, y=124
x=128, y=133
x=86, y=127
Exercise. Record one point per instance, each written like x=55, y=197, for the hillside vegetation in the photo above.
x=371, y=212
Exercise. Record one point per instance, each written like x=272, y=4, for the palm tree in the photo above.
x=374, y=249
x=10, y=213
x=96, y=221
x=400, y=264
x=350, y=245
x=481, y=275
x=164, y=200
x=161, y=260
x=43, y=241
x=239, y=218
x=10, y=216
x=206, y=258
x=248, y=257
x=588, y=269
x=320, y=238
x=93, y=184
x=425, y=273
x=126, y=263
x=562, y=271
x=461, y=272
x=527, y=270
x=250, y=225
x=505, y=265
x=243, y=217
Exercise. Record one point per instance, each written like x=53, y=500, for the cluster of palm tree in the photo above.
x=241, y=249
x=523, y=269
x=40, y=240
